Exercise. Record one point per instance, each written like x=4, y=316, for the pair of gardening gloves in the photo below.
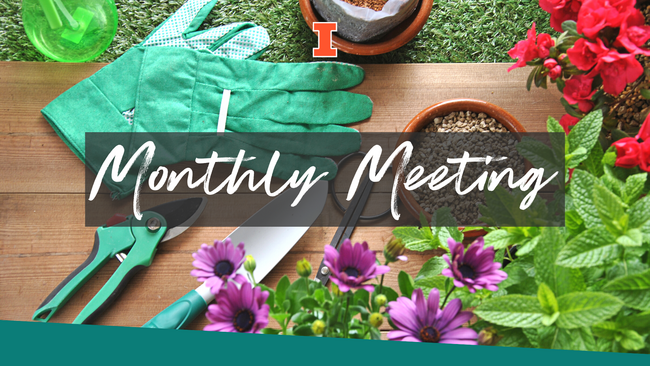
x=175, y=81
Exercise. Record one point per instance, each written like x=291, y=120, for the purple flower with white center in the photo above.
x=421, y=320
x=353, y=266
x=474, y=268
x=239, y=310
x=219, y=263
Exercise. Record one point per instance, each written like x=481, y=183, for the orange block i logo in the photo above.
x=324, y=30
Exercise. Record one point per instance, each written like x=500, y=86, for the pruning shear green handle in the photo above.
x=109, y=241
x=139, y=237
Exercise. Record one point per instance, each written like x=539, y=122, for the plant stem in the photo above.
x=345, y=316
x=381, y=283
x=447, y=297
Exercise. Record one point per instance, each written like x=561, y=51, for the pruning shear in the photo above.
x=121, y=234
x=351, y=215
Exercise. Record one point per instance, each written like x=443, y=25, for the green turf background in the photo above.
x=457, y=31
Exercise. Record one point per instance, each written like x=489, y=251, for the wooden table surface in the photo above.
x=42, y=232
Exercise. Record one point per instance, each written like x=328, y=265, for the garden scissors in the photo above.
x=121, y=233
x=351, y=215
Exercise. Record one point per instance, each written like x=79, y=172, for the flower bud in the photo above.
x=393, y=250
x=303, y=267
x=336, y=291
x=555, y=72
x=487, y=337
x=550, y=63
x=562, y=57
x=318, y=327
x=376, y=320
x=380, y=300
x=249, y=264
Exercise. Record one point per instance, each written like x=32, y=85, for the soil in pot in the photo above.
x=431, y=151
x=375, y=5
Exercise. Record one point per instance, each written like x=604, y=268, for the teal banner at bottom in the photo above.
x=27, y=343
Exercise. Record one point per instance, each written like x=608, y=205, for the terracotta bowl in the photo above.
x=439, y=110
x=396, y=38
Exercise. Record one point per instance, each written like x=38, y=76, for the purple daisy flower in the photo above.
x=475, y=268
x=421, y=320
x=239, y=310
x=352, y=266
x=219, y=263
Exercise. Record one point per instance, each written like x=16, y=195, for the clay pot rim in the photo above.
x=443, y=108
x=395, y=39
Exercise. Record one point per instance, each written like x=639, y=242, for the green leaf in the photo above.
x=512, y=311
x=406, y=283
x=527, y=246
x=514, y=338
x=582, y=188
x=271, y=299
x=610, y=209
x=561, y=280
x=576, y=157
x=634, y=290
x=585, y=132
x=429, y=283
x=547, y=300
x=552, y=125
x=573, y=221
x=593, y=247
x=271, y=331
x=281, y=290
x=280, y=317
x=639, y=322
x=540, y=155
x=580, y=339
x=645, y=93
x=633, y=238
x=501, y=238
x=444, y=226
x=432, y=267
x=516, y=274
x=639, y=215
x=303, y=330
x=416, y=239
x=309, y=303
x=634, y=185
x=375, y=334
x=631, y=340
x=583, y=309
x=594, y=162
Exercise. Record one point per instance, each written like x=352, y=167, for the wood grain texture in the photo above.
x=42, y=232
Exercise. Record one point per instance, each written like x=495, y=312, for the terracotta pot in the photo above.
x=393, y=40
x=439, y=110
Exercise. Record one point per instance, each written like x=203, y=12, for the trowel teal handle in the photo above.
x=180, y=313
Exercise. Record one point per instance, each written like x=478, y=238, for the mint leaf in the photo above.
x=429, y=283
x=580, y=339
x=585, y=132
x=561, y=280
x=639, y=322
x=576, y=157
x=432, y=267
x=547, y=300
x=594, y=162
x=527, y=246
x=512, y=311
x=634, y=290
x=610, y=209
x=593, y=247
x=639, y=215
x=634, y=185
x=583, y=309
x=514, y=338
x=632, y=238
x=540, y=155
x=502, y=238
x=516, y=274
x=416, y=239
x=552, y=125
x=582, y=188
x=631, y=340
x=406, y=283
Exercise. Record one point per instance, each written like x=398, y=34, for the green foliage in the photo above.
x=430, y=235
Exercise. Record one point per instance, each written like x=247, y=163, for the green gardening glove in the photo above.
x=105, y=101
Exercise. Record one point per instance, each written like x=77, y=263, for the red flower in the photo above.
x=628, y=152
x=634, y=34
x=555, y=72
x=584, y=54
x=644, y=132
x=578, y=91
x=525, y=50
x=595, y=15
x=617, y=70
x=644, y=158
x=561, y=11
x=567, y=121
x=544, y=43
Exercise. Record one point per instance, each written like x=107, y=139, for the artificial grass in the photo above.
x=457, y=31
